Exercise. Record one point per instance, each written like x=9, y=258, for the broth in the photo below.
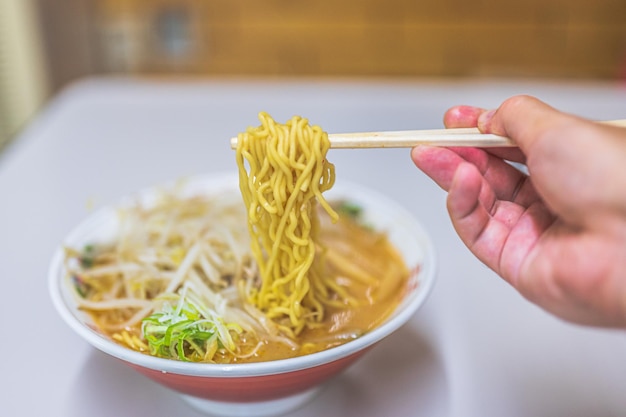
x=368, y=272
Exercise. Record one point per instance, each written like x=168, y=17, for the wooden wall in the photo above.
x=545, y=38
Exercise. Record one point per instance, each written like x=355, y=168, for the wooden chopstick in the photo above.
x=411, y=138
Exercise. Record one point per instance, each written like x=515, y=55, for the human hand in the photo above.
x=558, y=235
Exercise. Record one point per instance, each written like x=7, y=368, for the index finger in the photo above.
x=468, y=116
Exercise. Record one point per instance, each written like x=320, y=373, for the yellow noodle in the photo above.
x=283, y=172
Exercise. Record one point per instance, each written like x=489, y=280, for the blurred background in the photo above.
x=46, y=44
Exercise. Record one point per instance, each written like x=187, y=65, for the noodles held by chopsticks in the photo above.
x=283, y=172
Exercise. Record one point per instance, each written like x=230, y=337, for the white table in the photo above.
x=475, y=349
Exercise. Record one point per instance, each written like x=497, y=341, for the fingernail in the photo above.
x=484, y=120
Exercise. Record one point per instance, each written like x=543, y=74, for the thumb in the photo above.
x=569, y=159
x=524, y=119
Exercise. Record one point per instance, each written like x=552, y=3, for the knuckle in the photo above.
x=518, y=102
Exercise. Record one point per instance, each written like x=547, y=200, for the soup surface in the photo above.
x=175, y=280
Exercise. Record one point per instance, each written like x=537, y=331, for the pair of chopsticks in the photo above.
x=411, y=138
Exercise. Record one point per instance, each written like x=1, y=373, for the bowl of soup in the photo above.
x=165, y=282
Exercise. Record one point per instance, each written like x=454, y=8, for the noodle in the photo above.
x=286, y=174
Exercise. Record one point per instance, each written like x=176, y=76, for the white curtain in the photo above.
x=23, y=84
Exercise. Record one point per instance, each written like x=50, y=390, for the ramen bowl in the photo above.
x=263, y=388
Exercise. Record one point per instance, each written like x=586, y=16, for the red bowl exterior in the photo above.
x=252, y=388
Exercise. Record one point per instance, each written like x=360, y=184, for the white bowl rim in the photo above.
x=427, y=275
